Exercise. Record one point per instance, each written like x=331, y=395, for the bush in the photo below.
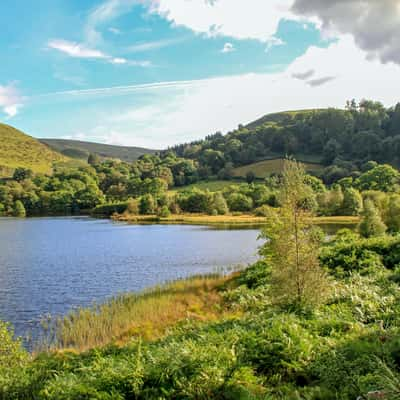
x=164, y=212
x=147, y=205
x=361, y=254
x=240, y=202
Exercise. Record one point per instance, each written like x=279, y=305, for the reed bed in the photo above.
x=148, y=315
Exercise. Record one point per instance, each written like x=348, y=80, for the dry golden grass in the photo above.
x=204, y=219
x=194, y=219
x=147, y=315
x=265, y=168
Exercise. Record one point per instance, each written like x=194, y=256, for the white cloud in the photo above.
x=228, y=48
x=254, y=19
x=10, y=100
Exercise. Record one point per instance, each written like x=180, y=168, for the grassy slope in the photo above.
x=20, y=150
x=276, y=118
x=80, y=149
x=265, y=168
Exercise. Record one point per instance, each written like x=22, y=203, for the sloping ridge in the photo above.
x=20, y=150
x=81, y=149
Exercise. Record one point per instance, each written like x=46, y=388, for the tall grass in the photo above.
x=147, y=314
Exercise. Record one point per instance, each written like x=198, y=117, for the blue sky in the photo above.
x=157, y=72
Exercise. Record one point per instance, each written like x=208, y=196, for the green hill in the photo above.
x=20, y=150
x=81, y=150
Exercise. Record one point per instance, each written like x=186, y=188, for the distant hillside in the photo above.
x=81, y=150
x=20, y=150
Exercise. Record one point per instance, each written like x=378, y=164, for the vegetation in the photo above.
x=81, y=150
x=20, y=150
x=236, y=337
x=292, y=245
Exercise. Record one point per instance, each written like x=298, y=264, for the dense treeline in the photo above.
x=144, y=187
x=343, y=140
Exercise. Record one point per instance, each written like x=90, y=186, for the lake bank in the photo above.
x=204, y=219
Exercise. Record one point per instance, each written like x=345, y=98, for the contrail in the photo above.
x=125, y=89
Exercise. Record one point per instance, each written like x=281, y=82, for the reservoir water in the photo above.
x=52, y=265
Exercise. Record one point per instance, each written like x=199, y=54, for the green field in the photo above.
x=80, y=150
x=265, y=168
x=212, y=186
x=20, y=150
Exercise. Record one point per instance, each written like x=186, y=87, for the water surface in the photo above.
x=51, y=265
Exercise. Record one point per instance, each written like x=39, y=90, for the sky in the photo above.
x=154, y=73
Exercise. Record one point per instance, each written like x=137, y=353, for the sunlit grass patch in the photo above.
x=265, y=168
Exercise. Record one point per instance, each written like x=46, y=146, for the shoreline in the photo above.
x=204, y=219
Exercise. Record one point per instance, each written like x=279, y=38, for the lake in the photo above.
x=51, y=265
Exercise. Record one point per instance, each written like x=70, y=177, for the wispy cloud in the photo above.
x=79, y=50
x=154, y=45
x=10, y=100
x=228, y=48
x=76, y=50
x=104, y=13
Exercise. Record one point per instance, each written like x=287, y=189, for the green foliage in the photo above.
x=147, y=204
x=382, y=177
x=350, y=253
x=240, y=202
x=12, y=357
x=164, y=212
x=352, y=202
x=19, y=209
x=371, y=223
x=219, y=204
x=392, y=218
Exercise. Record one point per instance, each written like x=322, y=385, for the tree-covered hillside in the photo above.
x=20, y=150
x=342, y=140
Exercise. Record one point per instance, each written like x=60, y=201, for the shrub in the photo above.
x=164, y=212
x=240, y=202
